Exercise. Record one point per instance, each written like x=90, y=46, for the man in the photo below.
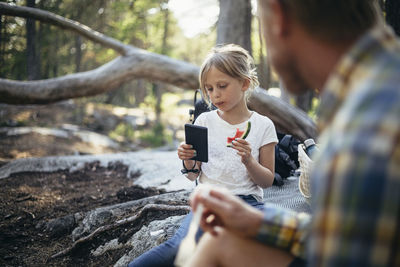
x=342, y=49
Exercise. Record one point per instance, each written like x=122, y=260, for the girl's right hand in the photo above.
x=186, y=151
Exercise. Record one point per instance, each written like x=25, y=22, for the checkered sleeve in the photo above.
x=285, y=229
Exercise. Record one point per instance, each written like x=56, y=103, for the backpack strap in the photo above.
x=193, y=111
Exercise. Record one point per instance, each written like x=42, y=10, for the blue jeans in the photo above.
x=164, y=254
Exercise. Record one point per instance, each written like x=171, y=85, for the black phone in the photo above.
x=197, y=136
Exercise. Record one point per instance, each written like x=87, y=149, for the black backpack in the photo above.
x=200, y=106
x=286, y=157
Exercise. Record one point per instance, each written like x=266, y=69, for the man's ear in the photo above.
x=280, y=18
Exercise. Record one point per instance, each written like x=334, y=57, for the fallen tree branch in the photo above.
x=134, y=63
x=117, y=224
x=287, y=118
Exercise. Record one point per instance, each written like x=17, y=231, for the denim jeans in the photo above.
x=164, y=254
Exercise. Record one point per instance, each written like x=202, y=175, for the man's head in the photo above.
x=290, y=25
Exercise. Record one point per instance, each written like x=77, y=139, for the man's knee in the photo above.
x=223, y=244
x=228, y=249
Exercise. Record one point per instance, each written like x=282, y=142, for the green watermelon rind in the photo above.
x=245, y=134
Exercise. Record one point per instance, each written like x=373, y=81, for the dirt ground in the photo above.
x=29, y=199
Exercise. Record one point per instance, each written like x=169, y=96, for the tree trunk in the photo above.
x=264, y=69
x=234, y=23
x=53, y=51
x=78, y=53
x=285, y=95
x=157, y=92
x=140, y=92
x=392, y=8
x=304, y=101
x=39, y=38
x=2, y=44
x=32, y=60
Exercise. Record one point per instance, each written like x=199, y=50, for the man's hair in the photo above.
x=232, y=60
x=334, y=20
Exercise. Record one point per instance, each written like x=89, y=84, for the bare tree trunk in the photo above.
x=263, y=70
x=164, y=48
x=158, y=95
x=234, y=23
x=38, y=41
x=2, y=45
x=32, y=62
x=78, y=53
x=54, y=52
x=285, y=96
x=304, y=101
x=140, y=92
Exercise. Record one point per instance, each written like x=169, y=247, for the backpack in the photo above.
x=286, y=157
x=200, y=106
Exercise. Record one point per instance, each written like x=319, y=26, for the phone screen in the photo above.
x=197, y=136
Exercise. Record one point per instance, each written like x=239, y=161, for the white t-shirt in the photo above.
x=224, y=167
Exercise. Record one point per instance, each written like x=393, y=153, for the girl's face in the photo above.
x=224, y=91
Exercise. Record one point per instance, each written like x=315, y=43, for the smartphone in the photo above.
x=197, y=136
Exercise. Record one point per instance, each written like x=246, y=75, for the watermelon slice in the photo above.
x=239, y=134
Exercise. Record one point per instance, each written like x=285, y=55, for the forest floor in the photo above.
x=28, y=199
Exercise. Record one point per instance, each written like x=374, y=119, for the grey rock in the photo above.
x=148, y=237
x=60, y=226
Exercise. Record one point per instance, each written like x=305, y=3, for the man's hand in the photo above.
x=222, y=209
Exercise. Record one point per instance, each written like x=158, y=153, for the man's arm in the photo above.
x=285, y=229
x=276, y=227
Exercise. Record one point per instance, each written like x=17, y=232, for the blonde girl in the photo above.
x=226, y=78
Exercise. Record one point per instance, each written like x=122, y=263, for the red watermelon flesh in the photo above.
x=238, y=134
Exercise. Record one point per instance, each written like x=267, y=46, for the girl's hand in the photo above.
x=185, y=151
x=244, y=149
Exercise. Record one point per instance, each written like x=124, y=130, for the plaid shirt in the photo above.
x=356, y=187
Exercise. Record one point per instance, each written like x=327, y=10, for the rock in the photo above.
x=143, y=240
x=137, y=192
x=101, y=216
x=60, y=226
x=159, y=169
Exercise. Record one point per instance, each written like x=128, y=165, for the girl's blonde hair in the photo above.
x=232, y=60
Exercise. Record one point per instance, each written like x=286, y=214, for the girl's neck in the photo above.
x=235, y=116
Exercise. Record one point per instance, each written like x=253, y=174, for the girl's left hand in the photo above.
x=244, y=149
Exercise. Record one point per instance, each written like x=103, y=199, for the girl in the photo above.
x=226, y=78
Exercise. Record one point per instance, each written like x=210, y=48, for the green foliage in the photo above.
x=314, y=108
x=123, y=132
x=155, y=137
